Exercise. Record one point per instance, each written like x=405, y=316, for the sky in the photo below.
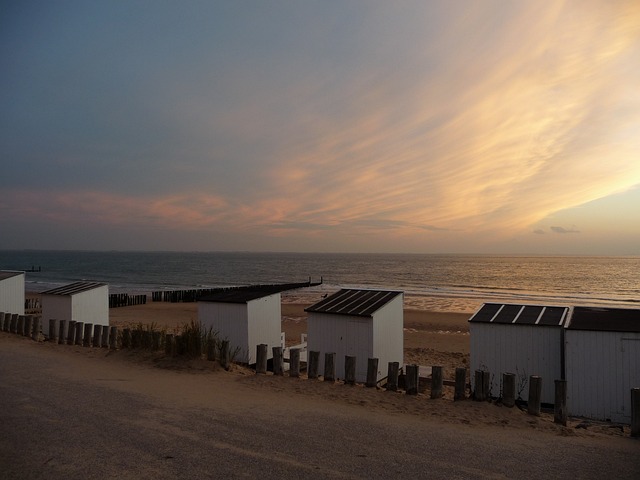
x=323, y=126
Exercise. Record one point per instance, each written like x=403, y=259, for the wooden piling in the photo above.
x=113, y=338
x=294, y=362
x=61, y=332
x=105, y=336
x=392, y=376
x=478, y=392
x=211, y=350
x=412, y=378
x=329, y=367
x=155, y=341
x=509, y=389
x=460, y=384
x=372, y=372
x=53, y=330
x=126, y=338
x=436, y=381
x=349, y=370
x=79, y=332
x=35, y=330
x=2, y=321
x=168, y=344
x=6, y=322
x=635, y=412
x=261, y=358
x=225, y=360
x=560, y=406
x=97, y=336
x=278, y=361
x=20, y=327
x=88, y=328
x=535, y=394
x=313, y=364
x=71, y=333
x=28, y=322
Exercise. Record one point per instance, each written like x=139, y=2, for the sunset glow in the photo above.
x=498, y=127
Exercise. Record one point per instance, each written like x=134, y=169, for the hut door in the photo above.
x=358, y=333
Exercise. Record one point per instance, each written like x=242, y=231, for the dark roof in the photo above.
x=605, y=319
x=238, y=295
x=4, y=274
x=361, y=303
x=505, y=313
x=73, y=288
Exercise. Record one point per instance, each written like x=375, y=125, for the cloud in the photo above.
x=539, y=231
x=563, y=230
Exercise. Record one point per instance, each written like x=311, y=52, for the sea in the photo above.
x=446, y=283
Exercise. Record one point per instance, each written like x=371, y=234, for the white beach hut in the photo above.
x=86, y=302
x=361, y=323
x=246, y=317
x=602, y=354
x=12, y=292
x=521, y=339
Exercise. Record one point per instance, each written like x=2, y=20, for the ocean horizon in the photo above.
x=438, y=282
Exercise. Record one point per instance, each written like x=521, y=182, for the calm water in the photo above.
x=430, y=282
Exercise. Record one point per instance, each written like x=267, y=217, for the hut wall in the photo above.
x=264, y=324
x=12, y=294
x=91, y=306
x=521, y=349
x=601, y=369
x=388, y=335
x=230, y=321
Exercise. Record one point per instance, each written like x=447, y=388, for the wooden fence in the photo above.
x=196, y=342
x=126, y=300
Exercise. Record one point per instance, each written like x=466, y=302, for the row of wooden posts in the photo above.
x=126, y=300
x=104, y=336
x=482, y=381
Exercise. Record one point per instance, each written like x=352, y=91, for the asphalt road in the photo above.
x=57, y=421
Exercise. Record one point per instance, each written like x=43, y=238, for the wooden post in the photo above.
x=79, y=330
x=261, y=358
x=509, y=389
x=6, y=322
x=349, y=370
x=155, y=341
x=412, y=378
x=294, y=362
x=224, y=355
x=436, y=381
x=372, y=372
x=61, y=332
x=278, y=361
x=113, y=338
x=2, y=321
x=168, y=344
x=312, y=366
x=20, y=329
x=560, y=406
x=478, y=392
x=635, y=412
x=126, y=338
x=53, y=330
x=392, y=377
x=97, y=336
x=329, y=367
x=88, y=328
x=461, y=381
x=71, y=333
x=486, y=385
x=35, y=332
x=28, y=322
x=14, y=322
x=105, y=336
x=535, y=394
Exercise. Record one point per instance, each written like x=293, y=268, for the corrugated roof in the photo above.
x=73, y=288
x=605, y=319
x=504, y=313
x=361, y=303
x=239, y=295
x=4, y=274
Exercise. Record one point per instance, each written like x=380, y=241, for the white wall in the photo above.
x=388, y=335
x=601, y=368
x=57, y=307
x=12, y=294
x=91, y=306
x=265, y=324
x=521, y=349
x=230, y=321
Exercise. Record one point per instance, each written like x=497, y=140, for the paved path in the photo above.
x=71, y=416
